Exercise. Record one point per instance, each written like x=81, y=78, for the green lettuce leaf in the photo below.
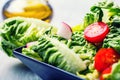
x=18, y=31
x=103, y=11
x=56, y=53
x=29, y=52
x=113, y=39
x=53, y=47
x=79, y=45
x=115, y=72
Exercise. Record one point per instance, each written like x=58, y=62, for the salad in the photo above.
x=18, y=31
x=90, y=50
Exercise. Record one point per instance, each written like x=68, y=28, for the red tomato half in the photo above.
x=106, y=71
x=96, y=32
x=104, y=58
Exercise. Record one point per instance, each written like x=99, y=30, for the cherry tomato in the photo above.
x=96, y=32
x=106, y=71
x=104, y=58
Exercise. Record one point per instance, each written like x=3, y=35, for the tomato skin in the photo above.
x=104, y=58
x=96, y=32
x=106, y=71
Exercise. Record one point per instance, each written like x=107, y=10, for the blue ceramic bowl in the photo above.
x=44, y=70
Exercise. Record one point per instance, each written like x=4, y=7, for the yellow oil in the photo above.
x=32, y=9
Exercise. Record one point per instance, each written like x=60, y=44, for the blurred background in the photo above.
x=69, y=11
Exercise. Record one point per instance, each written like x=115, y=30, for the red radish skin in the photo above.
x=96, y=32
x=65, y=31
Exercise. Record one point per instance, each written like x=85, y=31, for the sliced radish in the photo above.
x=65, y=31
x=31, y=43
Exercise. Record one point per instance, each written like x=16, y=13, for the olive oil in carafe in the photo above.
x=39, y=9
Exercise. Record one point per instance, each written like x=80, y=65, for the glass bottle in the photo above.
x=39, y=9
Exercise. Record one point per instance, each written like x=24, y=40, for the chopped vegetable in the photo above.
x=18, y=31
x=88, y=19
x=115, y=72
x=74, y=51
x=113, y=38
x=111, y=73
x=95, y=15
x=96, y=32
x=104, y=58
x=105, y=72
x=65, y=31
x=98, y=13
x=58, y=54
x=31, y=43
x=29, y=52
x=76, y=45
x=79, y=45
x=77, y=28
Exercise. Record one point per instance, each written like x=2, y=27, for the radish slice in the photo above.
x=31, y=43
x=65, y=31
